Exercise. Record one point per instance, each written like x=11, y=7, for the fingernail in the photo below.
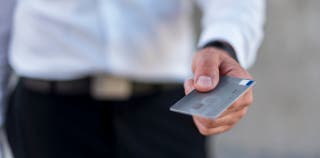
x=204, y=81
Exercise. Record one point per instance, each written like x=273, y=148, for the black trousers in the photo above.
x=54, y=126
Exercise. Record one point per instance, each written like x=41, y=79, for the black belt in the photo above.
x=83, y=86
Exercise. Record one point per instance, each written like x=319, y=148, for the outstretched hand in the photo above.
x=208, y=65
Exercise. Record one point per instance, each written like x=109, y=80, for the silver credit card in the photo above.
x=212, y=104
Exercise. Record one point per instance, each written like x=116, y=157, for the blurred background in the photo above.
x=283, y=121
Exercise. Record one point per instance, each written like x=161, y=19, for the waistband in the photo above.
x=101, y=87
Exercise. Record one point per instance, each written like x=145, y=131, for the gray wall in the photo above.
x=284, y=120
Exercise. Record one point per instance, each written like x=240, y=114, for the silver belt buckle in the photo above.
x=105, y=87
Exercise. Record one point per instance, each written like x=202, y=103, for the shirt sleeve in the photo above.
x=238, y=22
x=6, y=14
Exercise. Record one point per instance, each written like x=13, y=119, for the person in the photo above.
x=97, y=78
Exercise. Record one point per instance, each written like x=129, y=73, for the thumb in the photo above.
x=206, y=73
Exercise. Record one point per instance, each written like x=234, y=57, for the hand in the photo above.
x=208, y=65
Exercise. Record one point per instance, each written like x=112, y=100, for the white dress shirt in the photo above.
x=146, y=40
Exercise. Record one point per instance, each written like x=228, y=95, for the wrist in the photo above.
x=223, y=46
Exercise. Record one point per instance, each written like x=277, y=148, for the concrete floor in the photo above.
x=283, y=122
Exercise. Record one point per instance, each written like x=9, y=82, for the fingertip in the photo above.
x=206, y=122
x=205, y=83
x=201, y=127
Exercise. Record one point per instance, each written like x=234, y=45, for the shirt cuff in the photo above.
x=229, y=33
x=224, y=46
